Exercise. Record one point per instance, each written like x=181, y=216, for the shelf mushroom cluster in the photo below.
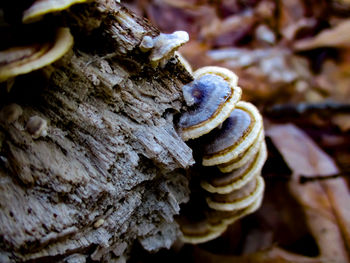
x=231, y=148
x=43, y=46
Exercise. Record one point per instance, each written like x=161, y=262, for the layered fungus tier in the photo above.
x=227, y=138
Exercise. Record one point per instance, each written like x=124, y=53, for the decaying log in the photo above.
x=110, y=171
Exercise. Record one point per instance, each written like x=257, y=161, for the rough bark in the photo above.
x=111, y=168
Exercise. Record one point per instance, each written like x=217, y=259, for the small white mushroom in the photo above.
x=37, y=127
x=147, y=43
x=99, y=223
x=10, y=113
x=163, y=46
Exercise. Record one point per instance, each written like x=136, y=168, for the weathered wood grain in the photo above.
x=111, y=169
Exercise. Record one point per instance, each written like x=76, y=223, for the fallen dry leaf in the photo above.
x=342, y=121
x=290, y=32
x=291, y=11
x=335, y=79
x=267, y=73
x=337, y=36
x=327, y=204
x=230, y=31
x=272, y=255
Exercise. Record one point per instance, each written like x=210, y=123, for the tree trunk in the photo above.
x=111, y=169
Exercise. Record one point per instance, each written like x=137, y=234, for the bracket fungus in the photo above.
x=244, y=157
x=42, y=7
x=237, y=199
x=224, y=183
x=163, y=46
x=211, y=98
x=213, y=223
x=24, y=59
x=201, y=231
x=233, y=145
x=236, y=134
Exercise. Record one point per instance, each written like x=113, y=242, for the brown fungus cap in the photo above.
x=219, y=179
x=224, y=183
x=216, y=217
x=42, y=7
x=235, y=195
x=211, y=99
x=208, y=224
x=236, y=134
x=243, y=158
x=197, y=222
x=200, y=231
x=21, y=60
x=220, y=220
x=219, y=217
x=244, y=212
x=238, y=199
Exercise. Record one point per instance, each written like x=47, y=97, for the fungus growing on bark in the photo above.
x=224, y=183
x=195, y=232
x=244, y=157
x=42, y=7
x=238, y=199
x=36, y=127
x=212, y=223
x=243, y=212
x=211, y=100
x=237, y=133
x=234, y=143
x=229, y=217
x=163, y=46
x=24, y=59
